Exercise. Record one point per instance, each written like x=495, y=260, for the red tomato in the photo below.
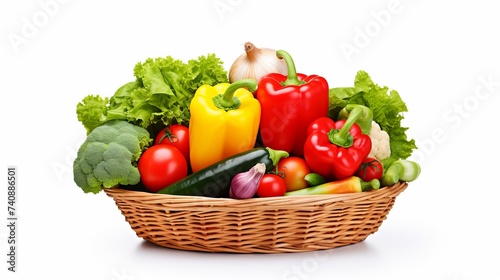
x=176, y=135
x=271, y=185
x=371, y=168
x=294, y=169
x=160, y=166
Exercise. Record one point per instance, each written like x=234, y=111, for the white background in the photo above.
x=436, y=55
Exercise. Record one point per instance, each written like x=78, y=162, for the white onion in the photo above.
x=255, y=63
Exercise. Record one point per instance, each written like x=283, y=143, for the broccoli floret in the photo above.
x=109, y=156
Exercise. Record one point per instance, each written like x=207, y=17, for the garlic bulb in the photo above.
x=244, y=185
x=255, y=63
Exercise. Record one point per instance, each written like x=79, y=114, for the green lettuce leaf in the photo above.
x=91, y=111
x=159, y=96
x=387, y=107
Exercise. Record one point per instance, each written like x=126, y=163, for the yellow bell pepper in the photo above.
x=224, y=121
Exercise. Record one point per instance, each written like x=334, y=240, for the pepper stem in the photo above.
x=227, y=101
x=291, y=78
x=276, y=155
x=364, y=122
x=342, y=137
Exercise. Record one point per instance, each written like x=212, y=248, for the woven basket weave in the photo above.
x=257, y=225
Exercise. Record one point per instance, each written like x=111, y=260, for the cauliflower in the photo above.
x=381, y=148
x=109, y=156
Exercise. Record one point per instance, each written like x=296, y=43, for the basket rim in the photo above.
x=154, y=198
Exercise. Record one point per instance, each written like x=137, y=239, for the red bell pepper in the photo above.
x=335, y=150
x=288, y=105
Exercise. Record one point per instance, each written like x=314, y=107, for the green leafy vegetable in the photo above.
x=387, y=107
x=91, y=111
x=159, y=96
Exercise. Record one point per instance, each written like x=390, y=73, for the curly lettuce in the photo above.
x=387, y=107
x=91, y=111
x=160, y=94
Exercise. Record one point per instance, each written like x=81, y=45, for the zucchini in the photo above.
x=215, y=180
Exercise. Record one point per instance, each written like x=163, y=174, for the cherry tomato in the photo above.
x=176, y=135
x=271, y=185
x=371, y=168
x=294, y=169
x=160, y=166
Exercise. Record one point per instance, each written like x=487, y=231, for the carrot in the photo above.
x=352, y=184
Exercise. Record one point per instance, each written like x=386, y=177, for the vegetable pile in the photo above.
x=260, y=130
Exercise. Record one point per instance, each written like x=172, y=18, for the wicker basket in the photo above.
x=258, y=225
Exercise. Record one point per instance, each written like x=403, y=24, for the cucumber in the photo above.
x=215, y=180
x=400, y=170
x=314, y=179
